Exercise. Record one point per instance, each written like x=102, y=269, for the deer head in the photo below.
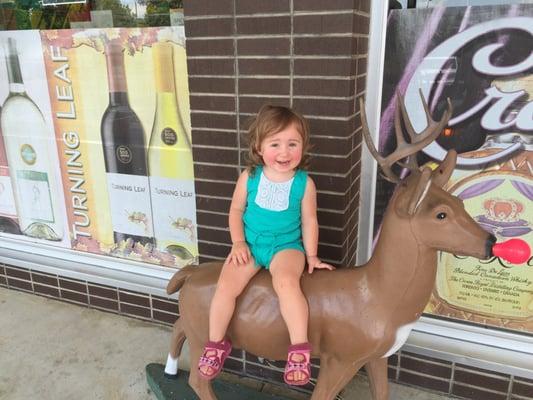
x=435, y=218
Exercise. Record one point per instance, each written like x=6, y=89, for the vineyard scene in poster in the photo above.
x=118, y=127
x=481, y=58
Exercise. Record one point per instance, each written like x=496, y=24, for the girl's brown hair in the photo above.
x=269, y=121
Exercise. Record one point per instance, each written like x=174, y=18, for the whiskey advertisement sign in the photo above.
x=107, y=113
x=481, y=58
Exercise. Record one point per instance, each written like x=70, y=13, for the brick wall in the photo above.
x=309, y=55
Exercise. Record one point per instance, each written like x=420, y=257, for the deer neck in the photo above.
x=402, y=266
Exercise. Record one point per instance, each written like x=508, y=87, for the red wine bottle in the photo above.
x=124, y=147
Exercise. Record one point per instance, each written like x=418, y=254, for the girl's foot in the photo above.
x=211, y=362
x=298, y=368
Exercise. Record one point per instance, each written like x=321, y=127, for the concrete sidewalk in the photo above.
x=52, y=350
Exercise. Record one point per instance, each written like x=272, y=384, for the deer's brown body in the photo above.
x=358, y=316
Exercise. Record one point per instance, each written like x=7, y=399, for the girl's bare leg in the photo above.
x=286, y=269
x=232, y=281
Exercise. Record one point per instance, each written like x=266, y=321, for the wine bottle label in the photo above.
x=174, y=206
x=7, y=202
x=124, y=154
x=28, y=154
x=169, y=136
x=35, y=199
x=129, y=200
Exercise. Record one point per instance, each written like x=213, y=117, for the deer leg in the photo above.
x=334, y=375
x=200, y=385
x=377, y=375
x=177, y=339
x=176, y=343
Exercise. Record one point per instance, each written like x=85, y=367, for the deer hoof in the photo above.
x=171, y=367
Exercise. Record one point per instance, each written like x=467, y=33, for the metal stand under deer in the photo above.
x=358, y=316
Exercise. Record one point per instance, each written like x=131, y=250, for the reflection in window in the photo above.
x=66, y=14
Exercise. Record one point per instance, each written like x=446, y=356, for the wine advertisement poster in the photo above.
x=117, y=109
x=31, y=195
x=121, y=115
x=481, y=58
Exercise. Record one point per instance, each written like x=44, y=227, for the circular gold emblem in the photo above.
x=28, y=154
x=124, y=154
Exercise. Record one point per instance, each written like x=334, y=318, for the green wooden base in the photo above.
x=177, y=388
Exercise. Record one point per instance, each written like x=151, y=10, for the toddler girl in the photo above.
x=273, y=225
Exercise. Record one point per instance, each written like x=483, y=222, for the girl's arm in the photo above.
x=310, y=228
x=240, y=253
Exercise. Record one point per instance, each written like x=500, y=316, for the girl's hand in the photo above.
x=240, y=254
x=313, y=262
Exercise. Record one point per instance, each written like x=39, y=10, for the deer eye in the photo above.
x=441, y=215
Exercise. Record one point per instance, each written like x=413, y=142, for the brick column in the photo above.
x=307, y=54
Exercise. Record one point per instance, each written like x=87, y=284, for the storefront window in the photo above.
x=399, y=4
x=459, y=3
x=65, y=14
x=478, y=58
x=95, y=143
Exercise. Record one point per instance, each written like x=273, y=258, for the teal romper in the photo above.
x=270, y=230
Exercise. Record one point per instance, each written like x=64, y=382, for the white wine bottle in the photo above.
x=170, y=165
x=125, y=157
x=8, y=212
x=29, y=144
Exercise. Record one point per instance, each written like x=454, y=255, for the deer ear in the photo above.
x=420, y=191
x=442, y=174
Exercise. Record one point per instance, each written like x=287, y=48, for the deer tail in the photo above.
x=176, y=282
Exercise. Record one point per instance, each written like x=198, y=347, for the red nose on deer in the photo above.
x=515, y=251
x=358, y=315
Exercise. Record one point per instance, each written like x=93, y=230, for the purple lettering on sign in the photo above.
x=496, y=102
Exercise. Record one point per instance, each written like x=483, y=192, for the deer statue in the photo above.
x=357, y=316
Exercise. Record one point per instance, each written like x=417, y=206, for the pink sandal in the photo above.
x=215, y=353
x=298, y=360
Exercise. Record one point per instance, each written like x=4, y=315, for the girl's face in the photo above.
x=282, y=151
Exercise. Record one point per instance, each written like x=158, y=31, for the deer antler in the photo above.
x=403, y=148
